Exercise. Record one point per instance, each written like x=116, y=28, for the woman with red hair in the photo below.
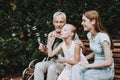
x=101, y=45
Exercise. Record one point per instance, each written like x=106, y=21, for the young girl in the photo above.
x=72, y=52
x=101, y=45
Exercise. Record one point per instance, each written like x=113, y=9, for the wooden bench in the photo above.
x=116, y=56
x=28, y=72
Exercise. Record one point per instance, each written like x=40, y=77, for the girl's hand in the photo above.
x=61, y=59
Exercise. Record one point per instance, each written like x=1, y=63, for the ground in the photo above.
x=12, y=78
x=17, y=78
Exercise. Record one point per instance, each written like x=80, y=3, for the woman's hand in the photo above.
x=84, y=64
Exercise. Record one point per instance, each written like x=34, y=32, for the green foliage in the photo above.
x=23, y=22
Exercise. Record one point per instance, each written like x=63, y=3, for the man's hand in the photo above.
x=79, y=42
x=42, y=48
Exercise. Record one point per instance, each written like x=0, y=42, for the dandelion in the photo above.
x=28, y=25
x=34, y=28
x=45, y=34
x=29, y=34
x=38, y=39
x=13, y=34
x=37, y=34
x=28, y=30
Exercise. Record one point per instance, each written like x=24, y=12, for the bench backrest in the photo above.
x=116, y=55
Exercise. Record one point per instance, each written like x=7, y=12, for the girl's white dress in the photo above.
x=69, y=54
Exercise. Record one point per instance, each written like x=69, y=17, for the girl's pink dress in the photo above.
x=69, y=54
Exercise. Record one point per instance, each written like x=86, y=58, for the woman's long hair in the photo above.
x=94, y=15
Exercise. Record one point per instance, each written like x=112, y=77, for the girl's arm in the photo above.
x=51, y=52
x=108, y=58
x=76, y=55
